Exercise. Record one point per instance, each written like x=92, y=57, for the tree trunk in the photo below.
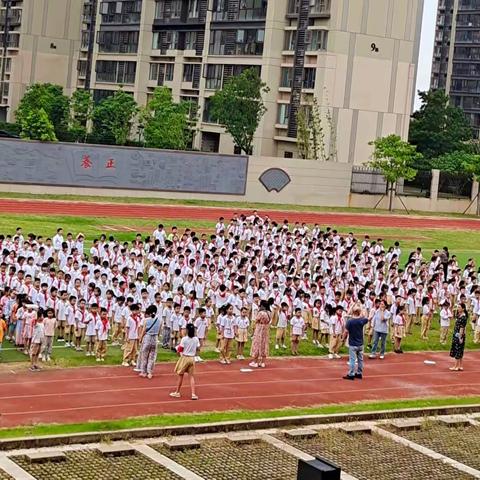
x=390, y=201
x=478, y=203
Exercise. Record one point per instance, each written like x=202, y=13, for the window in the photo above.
x=207, y=112
x=252, y=9
x=290, y=40
x=220, y=10
x=193, y=8
x=316, y=40
x=286, y=77
x=191, y=40
x=121, y=12
x=188, y=72
x=283, y=113
x=249, y=42
x=166, y=40
x=117, y=41
x=217, y=42
x=163, y=70
x=110, y=71
x=213, y=76
x=309, y=75
x=82, y=68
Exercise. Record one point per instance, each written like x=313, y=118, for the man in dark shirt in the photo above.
x=354, y=332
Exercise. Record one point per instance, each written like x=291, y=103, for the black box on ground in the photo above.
x=318, y=469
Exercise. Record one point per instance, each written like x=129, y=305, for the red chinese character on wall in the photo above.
x=86, y=162
x=110, y=163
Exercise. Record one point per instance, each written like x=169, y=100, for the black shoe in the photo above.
x=400, y=351
x=359, y=376
x=348, y=377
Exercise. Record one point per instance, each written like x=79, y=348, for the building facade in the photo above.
x=357, y=58
x=456, y=56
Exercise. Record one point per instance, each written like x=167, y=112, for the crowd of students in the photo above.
x=155, y=291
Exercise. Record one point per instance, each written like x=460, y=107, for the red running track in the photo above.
x=86, y=209
x=104, y=393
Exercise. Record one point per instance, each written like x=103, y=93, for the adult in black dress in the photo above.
x=458, y=340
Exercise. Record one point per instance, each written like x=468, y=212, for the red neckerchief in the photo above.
x=104, y=324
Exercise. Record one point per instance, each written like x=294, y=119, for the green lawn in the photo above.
x=171, y=420
x=214, y=203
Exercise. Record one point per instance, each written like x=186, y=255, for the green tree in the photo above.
x=51, y=99
x=114, y=116
x=168, y=124
x=239, y=107
x=471, y=165
x=453, y=162
x=394, y=158
x=438, y=127
x=37, y=126
x=304, y=140
x=81, y=112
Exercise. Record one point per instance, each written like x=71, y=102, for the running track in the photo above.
x=159, y=212
x=102, y=393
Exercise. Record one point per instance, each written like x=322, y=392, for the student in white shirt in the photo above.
x=201, y=327
x=132, y=332
x=445, y=318
x=90, y=330
x=227, y=330
x=102, y=327
x=298, y=329
x=188, y=350
x=282, y=325
x=241, y=325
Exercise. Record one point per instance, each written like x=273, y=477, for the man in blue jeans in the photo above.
x=381, y=320
x=354, y=332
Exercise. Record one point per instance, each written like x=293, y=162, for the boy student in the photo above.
x=167, y=324
x=282, y=325
x=62, y=317
x=117, y=320
x=80, y=324
x=71, y=314
x=176, y=319
x=227, y=331
x=90, y=329
x=201, y=328
x=241, y=332
x=132, y=331
x=102, y=327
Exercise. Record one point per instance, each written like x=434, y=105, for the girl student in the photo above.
x=298, y=329
x=337, y=328
x=241, y=325
x=399, y=327
x=38, y=340
x=218, y=340
x=282, y=325
x=445, y=318
x=50, y=323
x=29, y=324
x=324, y=339
x=426, y=317
x=188, y=349
x=102, y=328
x=316, y=312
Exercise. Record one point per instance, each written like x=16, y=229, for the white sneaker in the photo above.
x=102, y=359
x=125, y=364
x=241, y=357
x=67, y=344
x=99, y=359
x=136, y=369
x=48, y=358
x=382, y=357
x=337, y=356
x=253, y=364
x=217, y=350
x=60, y=340
x=223, y=362
x=330, y=356
x=276, y=347
x=284, y=346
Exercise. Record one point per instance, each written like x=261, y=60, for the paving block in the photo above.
x=353, y=429
x=408, y=424
x=243, y=438
x=301, y=433
x=44, y=457
x=182, y=443
x=116, y=450
x=455, y=422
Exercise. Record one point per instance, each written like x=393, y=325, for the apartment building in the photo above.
x=41, y=45
x=456, y=55
x=358, y=58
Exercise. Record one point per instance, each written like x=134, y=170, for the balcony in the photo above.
x=243, y=15
x=318, y=8
x=121, y=18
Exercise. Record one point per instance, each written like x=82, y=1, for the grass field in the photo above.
x=199, y=418
x=463, y=244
